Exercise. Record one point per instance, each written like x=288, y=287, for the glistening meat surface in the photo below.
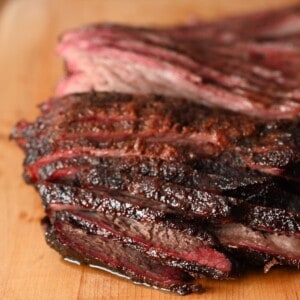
x=172, y=243
x=100, y=252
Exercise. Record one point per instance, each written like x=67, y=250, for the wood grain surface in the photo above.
x=29, y=269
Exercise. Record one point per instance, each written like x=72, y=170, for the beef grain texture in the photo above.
x=99, y=252
x=248, y=68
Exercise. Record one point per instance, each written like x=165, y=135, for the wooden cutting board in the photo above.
x=29, y=71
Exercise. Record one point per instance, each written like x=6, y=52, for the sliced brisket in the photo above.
x=100, y=252
x=169, y=128
x=151, y=229
x=180, y=157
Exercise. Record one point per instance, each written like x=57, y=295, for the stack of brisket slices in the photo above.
x=172, y=154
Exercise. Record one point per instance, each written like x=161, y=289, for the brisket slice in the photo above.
x=214, y=178
x=97, y=251
x=124, y=59
x=265, y=218
x=64, y=197
x=259, y=247
x=166, y=238
x=270, y=214
x=122, y=116
x=195, y=203
x=182, y=244
x=279, y=161
x=181, y=189
x=266, y=213
x=273, y=216
x=233, y=235
x=162, y=127
x=214, y=63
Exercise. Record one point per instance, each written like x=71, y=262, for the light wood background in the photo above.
x=29, y=71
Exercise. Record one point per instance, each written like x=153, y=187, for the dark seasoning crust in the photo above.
x=165, y=190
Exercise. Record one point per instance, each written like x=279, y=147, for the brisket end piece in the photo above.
x=75, y=244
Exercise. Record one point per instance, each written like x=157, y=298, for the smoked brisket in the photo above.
x=170, y=154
